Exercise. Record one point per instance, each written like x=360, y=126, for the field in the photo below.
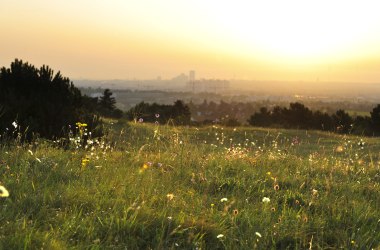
x=147, y=186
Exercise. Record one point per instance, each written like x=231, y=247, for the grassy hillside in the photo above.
x=148, y=186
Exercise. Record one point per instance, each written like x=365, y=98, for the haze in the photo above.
x=258, y=40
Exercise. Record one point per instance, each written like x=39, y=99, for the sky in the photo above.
x=309, y=40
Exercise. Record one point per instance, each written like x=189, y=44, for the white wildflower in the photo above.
x=266, y=200
x=223, y=200
x=220, y=236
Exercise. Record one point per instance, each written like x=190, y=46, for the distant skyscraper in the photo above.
x=192, y=76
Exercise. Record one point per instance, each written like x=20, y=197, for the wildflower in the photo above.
x=258, y=234
x=157, y=115
x=223, y=200
x=84, y=162
x=266, y=200
x=141, y=120
x=170, y=218
x=14, y=124
x=81, y=125
x=273, y=209
x=220, y=236
x=276, y=187
x=170, y=196
x=3, y=192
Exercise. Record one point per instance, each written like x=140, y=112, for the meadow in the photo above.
x=150, y=186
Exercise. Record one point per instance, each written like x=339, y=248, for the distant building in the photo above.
x=208, y=85
x=191, y=76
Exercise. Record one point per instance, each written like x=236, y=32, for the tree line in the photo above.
x=297, y=116
x=178, y=113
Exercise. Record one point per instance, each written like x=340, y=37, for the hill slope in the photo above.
x=150, y=186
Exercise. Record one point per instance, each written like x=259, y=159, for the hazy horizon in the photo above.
x=314, y=41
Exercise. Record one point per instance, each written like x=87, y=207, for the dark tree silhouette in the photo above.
x=107, y=101
x=40, y=101
x=107, y=106
x=343, y=121
x=375, y=119
x=178, y=113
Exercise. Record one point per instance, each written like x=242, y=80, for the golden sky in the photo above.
x=328, y=40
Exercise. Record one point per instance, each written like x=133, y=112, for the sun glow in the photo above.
x=294, y=30
x=282, y=39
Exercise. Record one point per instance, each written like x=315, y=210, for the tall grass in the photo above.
x=162, y=187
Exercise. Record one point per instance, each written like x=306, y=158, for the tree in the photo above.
x=343, y=121
x=39, y=101
x=106, y=101
x=107, y=106
x=263, y=118
x=375, y=119
x=180, y=113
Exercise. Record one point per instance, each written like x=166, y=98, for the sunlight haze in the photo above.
x=267, y=40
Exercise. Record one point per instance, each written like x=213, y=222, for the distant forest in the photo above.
x=297, y=116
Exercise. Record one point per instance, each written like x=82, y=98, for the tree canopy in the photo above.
x=39, y=101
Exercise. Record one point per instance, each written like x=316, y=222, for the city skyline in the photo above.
x=255, y=40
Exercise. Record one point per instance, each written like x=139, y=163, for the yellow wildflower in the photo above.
x=84, y=162
x=170, y=196
x=3, y=192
